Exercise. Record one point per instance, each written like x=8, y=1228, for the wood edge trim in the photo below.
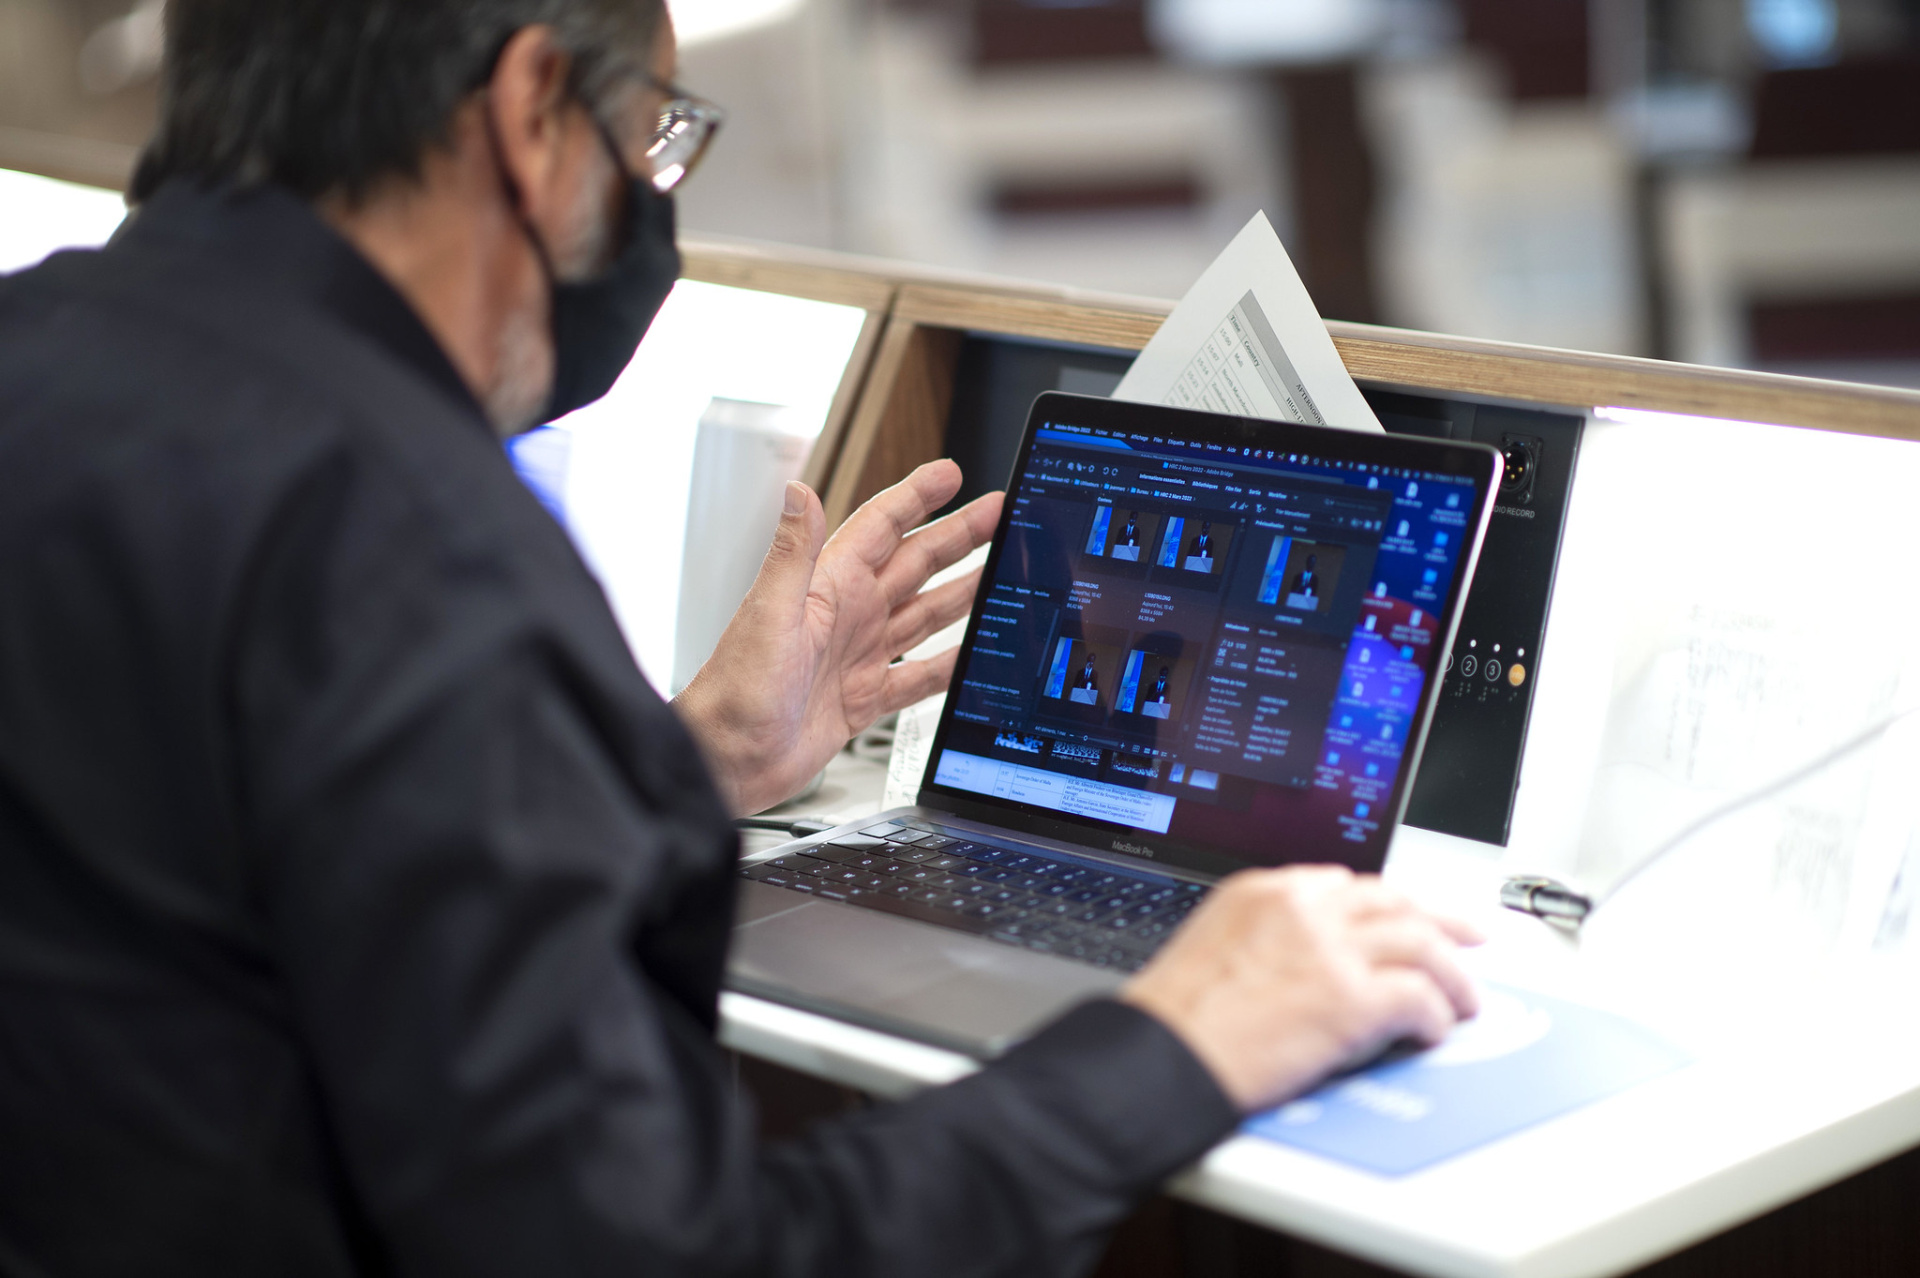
x=830, y=444
x=1583, y=380
x=87, y=161
x=1024, y=315
x=726, y=250
x=863, y=430
x=795, y=279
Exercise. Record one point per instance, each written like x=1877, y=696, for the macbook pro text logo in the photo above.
x=1132, y=849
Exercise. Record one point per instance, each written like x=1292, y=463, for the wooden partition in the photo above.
x=892, y=410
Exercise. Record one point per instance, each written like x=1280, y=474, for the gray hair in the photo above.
x=331, y=96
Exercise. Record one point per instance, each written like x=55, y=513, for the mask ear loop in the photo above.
x=516, y=199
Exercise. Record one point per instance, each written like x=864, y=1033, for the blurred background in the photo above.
x=1720, y=181
x=1731, y=182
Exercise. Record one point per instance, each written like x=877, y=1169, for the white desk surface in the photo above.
x=1800, y=1080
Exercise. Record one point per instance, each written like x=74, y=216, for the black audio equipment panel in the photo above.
x=1471, y=767
x=1470, y=770
x=994, y=384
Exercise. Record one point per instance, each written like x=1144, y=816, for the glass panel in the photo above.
x=39, y=216
x=629, y=458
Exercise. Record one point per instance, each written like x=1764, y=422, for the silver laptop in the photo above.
x=1200, y=643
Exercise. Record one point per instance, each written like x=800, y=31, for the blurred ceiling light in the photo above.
x=1265, y=31
x=699, y=21
x=124, y=51
x=1794, y=33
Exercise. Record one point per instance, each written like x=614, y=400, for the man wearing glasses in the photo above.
x=362, y=910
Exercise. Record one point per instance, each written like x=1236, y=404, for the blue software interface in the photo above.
x=1220, y=644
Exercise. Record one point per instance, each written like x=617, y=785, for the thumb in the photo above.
x=787, y=572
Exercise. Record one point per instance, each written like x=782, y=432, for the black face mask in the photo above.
x=598, y=323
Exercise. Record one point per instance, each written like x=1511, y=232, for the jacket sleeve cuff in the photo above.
x=1129, y=1085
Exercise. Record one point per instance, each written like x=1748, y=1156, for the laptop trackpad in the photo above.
x=923, y=981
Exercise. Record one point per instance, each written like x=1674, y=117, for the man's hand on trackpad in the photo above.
x=1282, y=977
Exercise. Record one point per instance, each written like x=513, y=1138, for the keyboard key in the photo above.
x=972, y=869
x=790, y=862
x=990, y=855
x=886, y=829
x=901, y=852
x=829, y=852
x=768, y=874
x=818, y=869
x=858, y=842
x=936, y=842
x=944, y=861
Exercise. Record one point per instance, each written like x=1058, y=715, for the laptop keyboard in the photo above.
x=1012, y=895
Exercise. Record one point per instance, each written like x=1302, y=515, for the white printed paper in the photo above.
x=1246, y=340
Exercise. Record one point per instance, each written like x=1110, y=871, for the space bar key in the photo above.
x=910, y=909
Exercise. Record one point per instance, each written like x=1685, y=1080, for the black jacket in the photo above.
x=362, y=908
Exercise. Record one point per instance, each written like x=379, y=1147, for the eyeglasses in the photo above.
x=681, y=137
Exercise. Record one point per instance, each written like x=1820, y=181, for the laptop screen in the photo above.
x=1208, y=639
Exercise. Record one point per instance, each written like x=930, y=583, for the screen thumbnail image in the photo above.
x=1082, y=673
x=1194, y=544
x=1300, y=574
x=1133, y=532
x=1154, y=684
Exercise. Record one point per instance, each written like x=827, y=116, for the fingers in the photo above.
x=874, y=530
x=911, y=681
x=942, y=543
x=929, y=612
x=1459, y=931
x=1416, y=1007
x=786, y=574
x=1417, y=943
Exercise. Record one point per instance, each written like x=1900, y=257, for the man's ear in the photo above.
x=526, y=104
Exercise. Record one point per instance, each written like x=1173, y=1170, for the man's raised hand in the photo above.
x=808, y=660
